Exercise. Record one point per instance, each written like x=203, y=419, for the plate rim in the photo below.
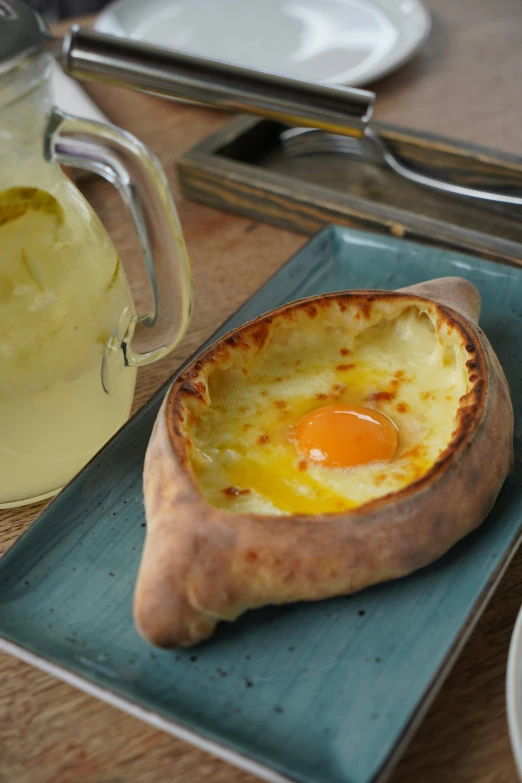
x=513, y=692
x=151, y=717
x=390, y=64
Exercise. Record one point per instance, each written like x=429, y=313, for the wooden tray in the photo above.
x=243, y=168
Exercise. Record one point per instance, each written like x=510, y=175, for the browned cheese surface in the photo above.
x=465, y=84
x=213, y=558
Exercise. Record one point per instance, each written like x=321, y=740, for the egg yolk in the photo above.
x=345, y=436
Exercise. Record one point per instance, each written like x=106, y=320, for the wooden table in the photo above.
x=466, y=83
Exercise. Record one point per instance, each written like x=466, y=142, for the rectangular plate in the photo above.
x=315, y=693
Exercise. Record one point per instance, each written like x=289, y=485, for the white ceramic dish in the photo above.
x=514, y=692
x=349, y=42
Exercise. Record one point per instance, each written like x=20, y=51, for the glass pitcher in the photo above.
x=70, y=337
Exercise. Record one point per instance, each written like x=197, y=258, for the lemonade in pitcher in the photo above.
x=62, y=289
x=67, y=365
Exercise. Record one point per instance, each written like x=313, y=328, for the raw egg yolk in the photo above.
x=345, y=436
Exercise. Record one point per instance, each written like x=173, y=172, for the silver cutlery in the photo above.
x=371, y=148
x=341, y=113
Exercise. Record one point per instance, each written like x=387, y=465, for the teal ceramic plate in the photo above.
x=315, y=693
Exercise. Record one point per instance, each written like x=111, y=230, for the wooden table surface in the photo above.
x=465, y=83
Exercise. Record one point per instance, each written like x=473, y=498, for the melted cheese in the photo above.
x=245, y=457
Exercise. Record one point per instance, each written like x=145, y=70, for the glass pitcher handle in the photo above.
x=130, y=166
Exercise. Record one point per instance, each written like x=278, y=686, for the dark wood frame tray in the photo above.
x=242, y=168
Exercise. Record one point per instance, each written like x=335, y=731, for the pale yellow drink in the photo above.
x=66, y=312
x=64, y=307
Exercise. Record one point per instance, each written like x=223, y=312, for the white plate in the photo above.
x=345, y=41
x=514, y=692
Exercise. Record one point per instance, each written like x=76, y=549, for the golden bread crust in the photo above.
x=203, y=564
